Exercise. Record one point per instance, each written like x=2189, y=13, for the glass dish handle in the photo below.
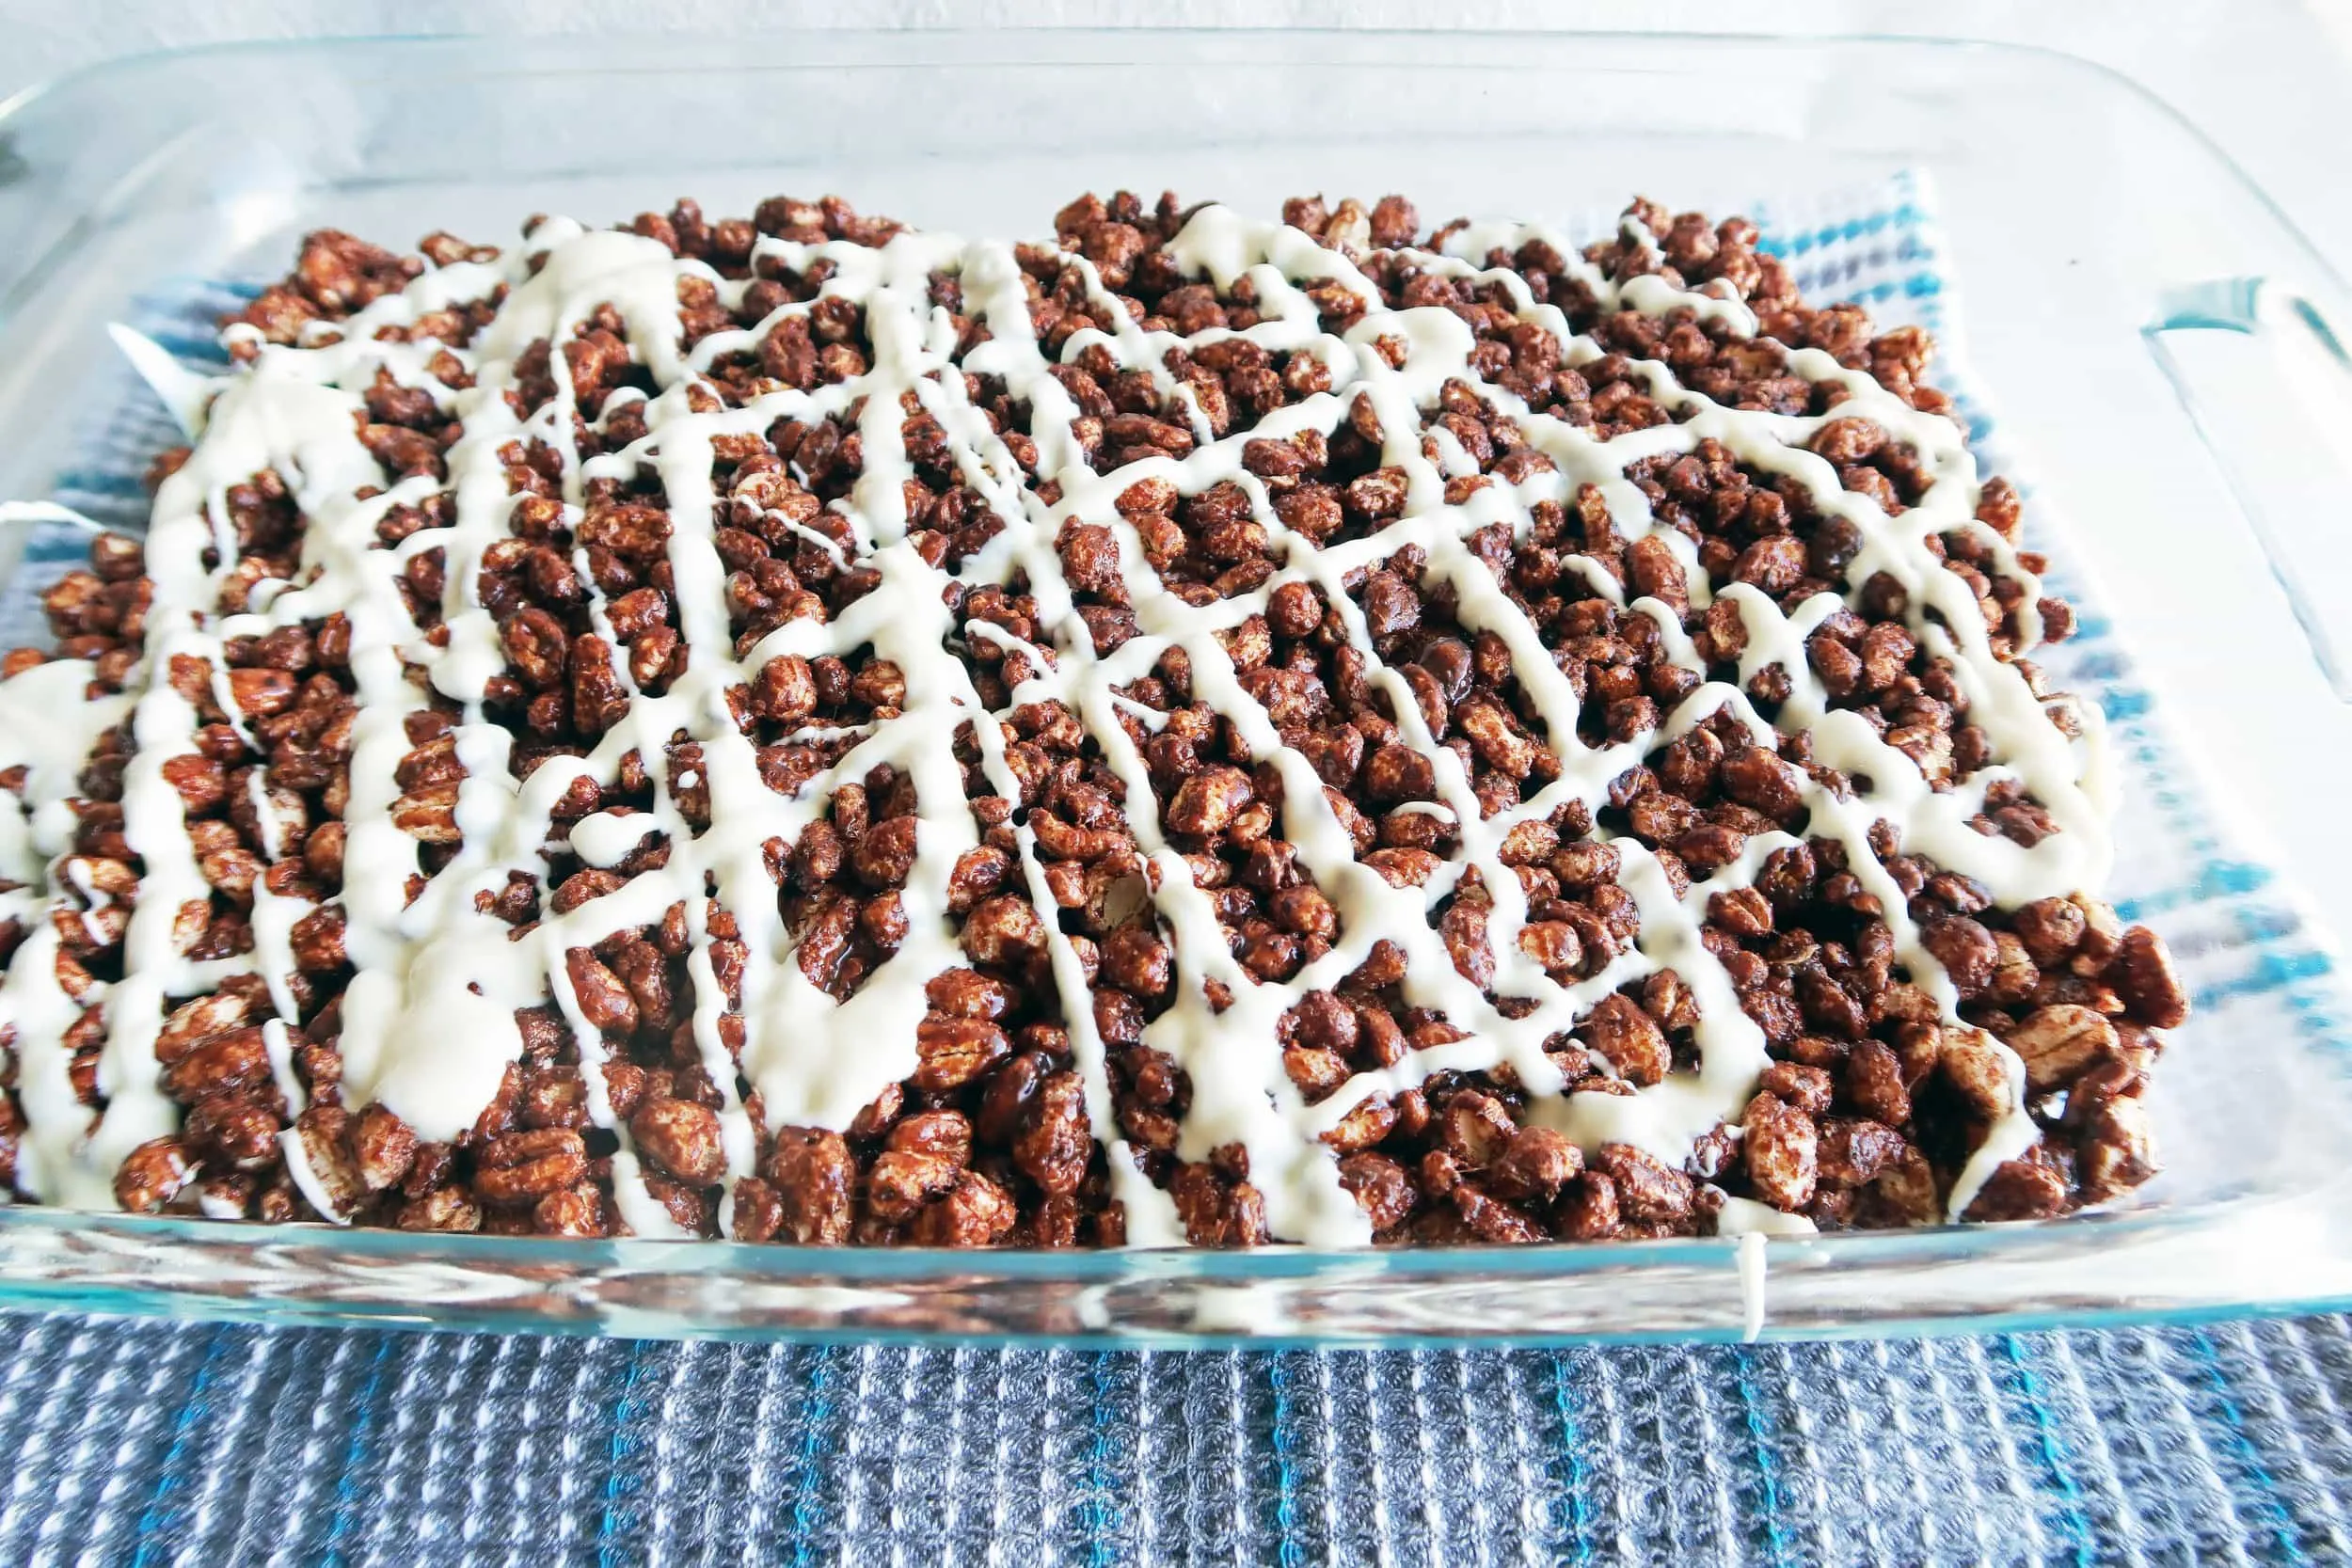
x=2266, y=377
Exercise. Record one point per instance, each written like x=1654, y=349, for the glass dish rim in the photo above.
x=601, y=54
x=755, y=54
x=851, y=1267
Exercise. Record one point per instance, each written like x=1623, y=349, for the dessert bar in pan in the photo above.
x=1207, y=729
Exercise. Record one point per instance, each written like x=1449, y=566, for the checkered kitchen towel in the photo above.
x=190, y=1444
x=199, y=1445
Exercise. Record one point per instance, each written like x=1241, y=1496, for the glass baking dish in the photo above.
x=2151, y=325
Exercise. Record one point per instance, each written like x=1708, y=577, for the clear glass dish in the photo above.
x=2100, y=238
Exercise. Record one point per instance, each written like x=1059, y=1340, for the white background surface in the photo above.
x=2266, y=79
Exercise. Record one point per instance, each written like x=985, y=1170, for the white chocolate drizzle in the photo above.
x=427, y=1018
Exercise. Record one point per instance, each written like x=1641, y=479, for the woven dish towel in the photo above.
x=198, y=1446
x=152, y=1443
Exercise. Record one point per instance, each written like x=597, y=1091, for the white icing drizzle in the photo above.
x=1751, y=1266
x=427, y=1019
x=180, y=390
